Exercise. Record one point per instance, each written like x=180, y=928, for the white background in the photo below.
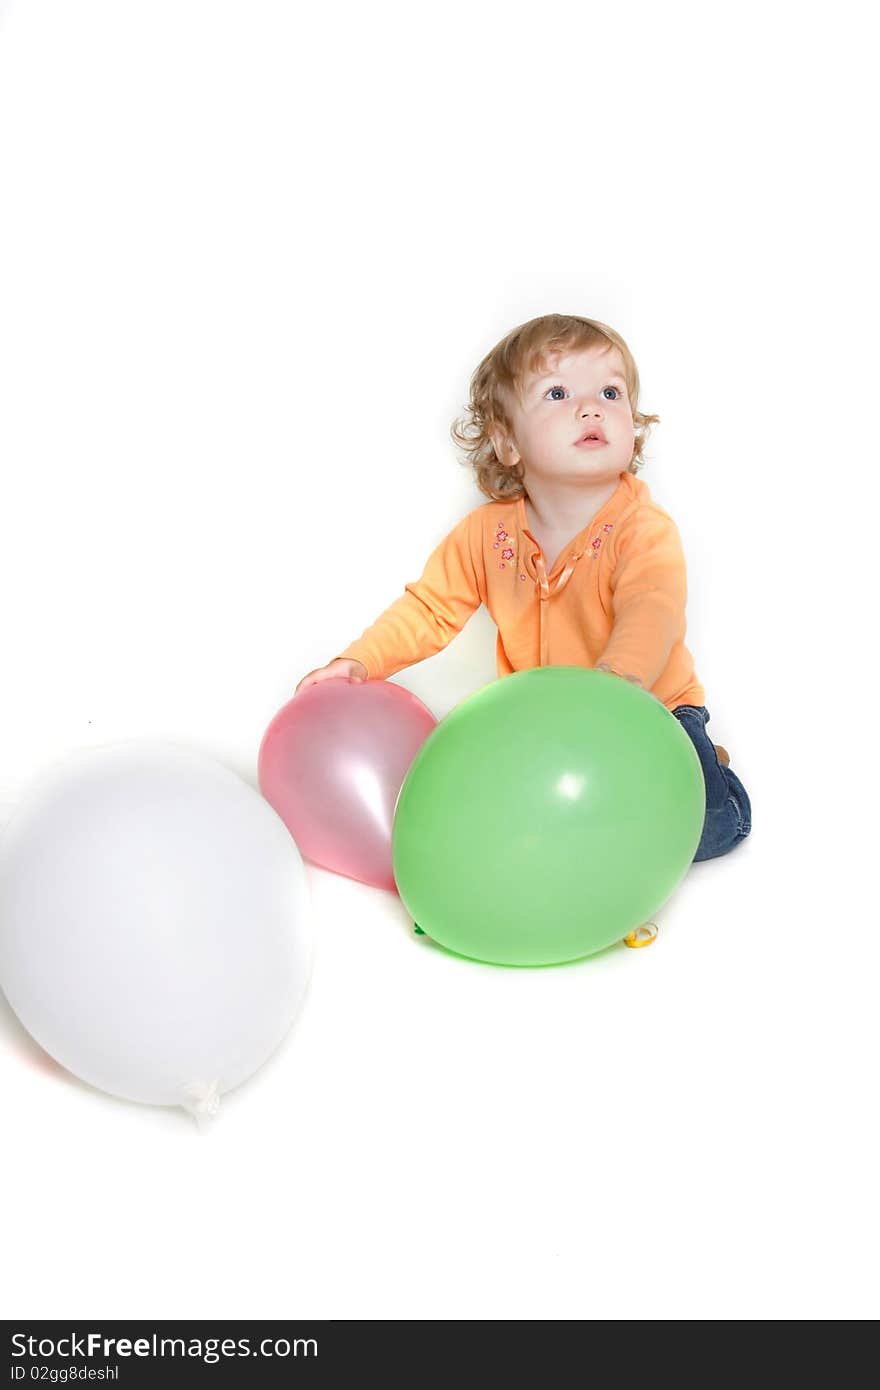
x=249, y=256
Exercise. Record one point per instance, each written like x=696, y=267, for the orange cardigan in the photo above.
x=616, y=595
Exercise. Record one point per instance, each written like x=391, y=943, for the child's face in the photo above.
x=548, y=423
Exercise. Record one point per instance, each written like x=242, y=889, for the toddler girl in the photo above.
x=576, y=563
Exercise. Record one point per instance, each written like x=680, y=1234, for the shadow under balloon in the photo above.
x=29, y=1051
x=27, y=1048
x=606, y=956
x=38, y=1059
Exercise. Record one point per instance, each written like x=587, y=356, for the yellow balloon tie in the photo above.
x=636, y=939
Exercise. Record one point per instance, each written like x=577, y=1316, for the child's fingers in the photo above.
x=310, y=679
x=325, y=673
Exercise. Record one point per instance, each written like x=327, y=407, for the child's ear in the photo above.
x=505, y=451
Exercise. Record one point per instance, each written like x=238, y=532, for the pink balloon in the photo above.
x=332, y=763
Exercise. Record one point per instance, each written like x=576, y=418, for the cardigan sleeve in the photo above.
x=649, y=594
x=429, y=612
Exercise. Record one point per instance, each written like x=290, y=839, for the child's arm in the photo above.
x=649, y=594
x=428, y=614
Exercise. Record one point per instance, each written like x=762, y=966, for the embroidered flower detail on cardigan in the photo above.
x=508, y=553
x=597, y=542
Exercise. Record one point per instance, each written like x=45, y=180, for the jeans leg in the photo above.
x=728, y=818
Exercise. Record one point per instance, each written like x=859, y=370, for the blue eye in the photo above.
x=616, y=397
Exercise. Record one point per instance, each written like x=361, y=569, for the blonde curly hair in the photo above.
x=524, y=350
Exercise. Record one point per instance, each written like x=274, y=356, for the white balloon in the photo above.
x=155, y=923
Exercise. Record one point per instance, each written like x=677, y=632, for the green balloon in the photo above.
x=546, y=817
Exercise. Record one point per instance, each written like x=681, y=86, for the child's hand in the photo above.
x=634, y=680
x=341, y=666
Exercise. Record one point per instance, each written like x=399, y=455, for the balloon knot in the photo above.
x=201, y=1099
x=645, y=935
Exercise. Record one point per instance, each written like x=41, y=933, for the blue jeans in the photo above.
x=728, y=809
